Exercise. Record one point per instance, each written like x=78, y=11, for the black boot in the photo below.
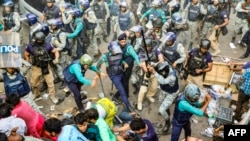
x=57, y=80
x=190, y=46
x=136, y=87
x=63, y=85
x=43, y=87
x=244, y=56
x=166, y=126
x=233, y=40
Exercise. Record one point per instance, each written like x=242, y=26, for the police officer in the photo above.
x=220, y=26
x=61, y=43
x=77, y=26
x=129, y=56
x=167, y=78
x=51, y=11
x=114, y=62
x=143, y=7
x=149, y=83
x=37, y=53
x=186, y=105
x=102, y=13
x=125, y=20
x=74, y=77
x=157, y=25
x=136, y=41
x=198, y=62
x=155, y=11
x=66, y=18
x=114, y=11
x=11, y=20
x=90, y=21
x=16, y=83
x=212, y=9
x=194, y=12
x=173, y=52
x=241, y=23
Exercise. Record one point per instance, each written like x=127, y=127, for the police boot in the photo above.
x=137, y=88
x=190, y=45
x=57, y=80
x=166, y=126
x=105, y=38
x=63, y=85
x=245, y=55
x=43, y=87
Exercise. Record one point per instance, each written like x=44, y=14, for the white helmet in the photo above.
x=123, y=4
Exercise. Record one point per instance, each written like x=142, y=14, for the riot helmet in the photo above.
x=45, y=29
x=123, y=4
x=177, y=18
x=73, y=11
x=157, y=23
x=223, y=3
x=86, y=60
x=114, y=48
x=156, y=3
x=85, y=4
x=205, y=43
x=149, y=42
x=169, y=38
x=162, y=68
x=39, y=37
x=8, y=6
x=66, y=5
x=176, y=7
x=31, y=18
x=131, y=35
x=55, y=22
x=192, y=93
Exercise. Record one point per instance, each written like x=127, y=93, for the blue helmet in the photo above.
x=114, y=47
x=74, y=11
x=31, y=18
x=56, y=22
x=177, y=18
x=66, y=5
x=44, y=29
x=170, y=36
x=9, y=3
x=84, y=3
x=192, y=93
x=162, y=68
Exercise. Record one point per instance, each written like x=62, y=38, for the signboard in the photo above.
x=10, y=50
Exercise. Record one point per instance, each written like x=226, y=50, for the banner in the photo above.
x=10, y=50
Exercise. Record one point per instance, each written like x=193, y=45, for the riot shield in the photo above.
x=10, y=50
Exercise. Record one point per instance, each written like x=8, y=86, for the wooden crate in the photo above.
x=220, y=74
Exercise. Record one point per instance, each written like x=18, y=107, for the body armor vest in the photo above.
x=8, y=21
x=100, y=10
x=124, y=21
x=69, y=77
x=198, y=62
x=41, y=57
x=51, y=12
x=181, y=117
x=171, y=54
x=18, y=85
x=193, y=12
x=171, y=89
x=152, y=55
x=114, y=9
x=115, y=64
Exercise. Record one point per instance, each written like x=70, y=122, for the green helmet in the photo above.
x=192, y=93
x=86, y=60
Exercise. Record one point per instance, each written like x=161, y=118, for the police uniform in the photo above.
x=149, y=84
x=129, y=56
x=221, y=18
x=241, y=23
x=209, y=21
x=125, y=21
x=197, y=60
x=39, y=57
x=17, y=84
x=51, y=12
x=157, y=13
x=114, y=68
x=192, y=13
x=102, y=14
x=92, y=30
x=77, y=28
x=143, y=6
